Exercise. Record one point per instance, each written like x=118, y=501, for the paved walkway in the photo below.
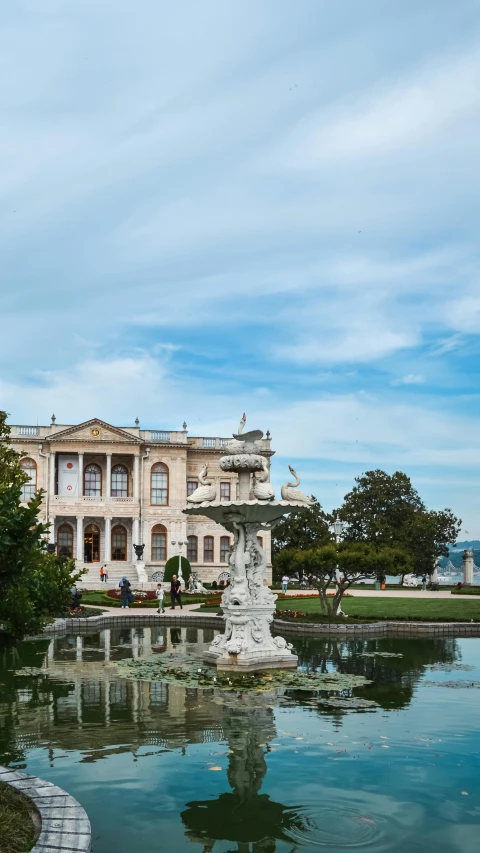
x=361, y=593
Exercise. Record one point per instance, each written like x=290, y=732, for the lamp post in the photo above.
x=338, y=528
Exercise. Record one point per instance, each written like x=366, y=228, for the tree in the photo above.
x=354, y=560
x=34, y=585
x=385, y=510
x=171, y=569
x=307, y=528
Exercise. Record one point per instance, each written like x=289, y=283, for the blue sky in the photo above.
x=265, y=206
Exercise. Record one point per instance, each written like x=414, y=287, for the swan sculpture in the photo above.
x=263, y=490
x=291, y=493
x=236, y=445
x=205, y=491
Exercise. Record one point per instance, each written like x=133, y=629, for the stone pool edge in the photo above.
x=451, y=629
x=65, y=827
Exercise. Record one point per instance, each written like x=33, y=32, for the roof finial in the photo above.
x=137, y=422
x=53, y=420
x=184, y=426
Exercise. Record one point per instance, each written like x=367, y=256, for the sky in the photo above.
x=265, y=206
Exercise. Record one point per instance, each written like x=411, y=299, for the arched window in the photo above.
x=93, y=480
x=192, y=549
x=119, y=481
x=159, y=491
x=65, y=541
x=224, y=548
x=119, y=542
x=208, y=549
x=91, y=544
x=29, y=467
x=159, y=543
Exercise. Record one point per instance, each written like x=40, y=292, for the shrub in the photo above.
x=171, y=569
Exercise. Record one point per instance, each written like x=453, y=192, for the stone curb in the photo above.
x=450, y=629
x=65, y=824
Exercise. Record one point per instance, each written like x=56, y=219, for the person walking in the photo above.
x=105, y=574
x=160, y=594
x=285, y=581
x=176, y=593
x=125, y=592
x=424, y=583
x=101, y=574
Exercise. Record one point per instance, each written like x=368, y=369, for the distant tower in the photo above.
x=467, y=560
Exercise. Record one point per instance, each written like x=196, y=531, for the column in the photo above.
x=136, y=470
x=80, y=538
x=467, y=560
x=51, y=532
x=108, y=484
x=51, y=487
x=135, y=537
x=108, y=539
x=80, y=474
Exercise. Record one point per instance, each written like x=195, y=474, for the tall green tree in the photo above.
x=385, y=510
x=34, y=585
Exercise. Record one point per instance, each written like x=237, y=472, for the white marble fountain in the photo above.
x=248, y=604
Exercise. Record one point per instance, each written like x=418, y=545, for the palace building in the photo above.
x=108, y=488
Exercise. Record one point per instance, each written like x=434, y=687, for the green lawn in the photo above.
x=428, y=609
x=17, y=833
x=98, y=598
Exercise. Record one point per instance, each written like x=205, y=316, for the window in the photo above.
x=29, y=488
x=225, y=491
x=159, y=435
x=208, y=549
x=192, y=549
x=159, y=490
x=191, y=486
x=224, y=549
x=209, y=442
x=159, y=543
x=119, y=543
x=65, y=541
x=93, y=481
x=119, y=481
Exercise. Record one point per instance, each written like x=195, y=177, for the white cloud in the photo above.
x=410, y=379
x=405, y=113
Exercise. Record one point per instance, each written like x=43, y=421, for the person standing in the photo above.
x=285, y=581
x=125, y=592
x=176, y=593
x=160, y=594
x=424, y=583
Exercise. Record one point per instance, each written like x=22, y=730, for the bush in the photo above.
x=468, y=590
x=171, y=569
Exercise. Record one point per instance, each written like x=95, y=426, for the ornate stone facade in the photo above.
x=109, y=488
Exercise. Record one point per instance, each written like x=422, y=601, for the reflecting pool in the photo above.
x=390, y=765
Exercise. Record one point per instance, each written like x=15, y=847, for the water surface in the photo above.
x=161, y=766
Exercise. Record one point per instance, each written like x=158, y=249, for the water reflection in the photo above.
x=276, y=791
x=245, y=815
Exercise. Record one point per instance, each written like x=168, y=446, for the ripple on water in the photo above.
x=332, y=825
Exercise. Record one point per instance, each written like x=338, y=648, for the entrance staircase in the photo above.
x=116, y=571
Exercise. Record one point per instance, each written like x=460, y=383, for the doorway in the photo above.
x=91, y=544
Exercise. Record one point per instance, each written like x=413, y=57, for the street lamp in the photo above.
x=180, y=544
x=338, y=528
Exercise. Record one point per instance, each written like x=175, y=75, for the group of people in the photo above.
x=175, y=594
x=103, y=574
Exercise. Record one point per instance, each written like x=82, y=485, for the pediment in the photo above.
x=96, y=431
